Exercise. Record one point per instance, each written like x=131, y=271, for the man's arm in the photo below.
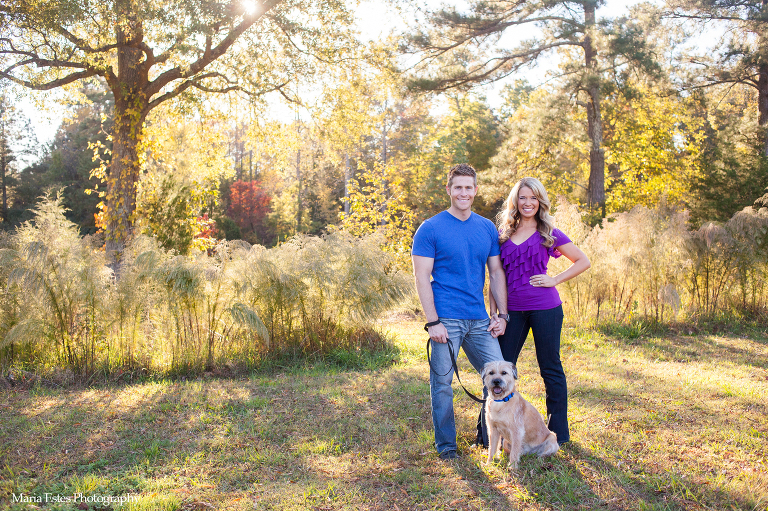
x=422, y=270
x=498, y=295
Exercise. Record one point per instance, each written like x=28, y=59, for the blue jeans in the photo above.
x=480, y=348
x=546, y=325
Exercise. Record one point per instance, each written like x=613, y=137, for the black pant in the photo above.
x=547, y=326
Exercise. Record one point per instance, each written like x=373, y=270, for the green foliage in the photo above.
x=183, y=164
x=544, y=140
x=185, y=46
x=469, y=133
x=425, y=146
x=734, y=170
x=228, y=228
x=739, y=56
x=418, y=160
x=16, y=140
x=464, y=48
x=170, y=215
x=67, y=164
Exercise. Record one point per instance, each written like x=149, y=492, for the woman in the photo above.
x=528, y=239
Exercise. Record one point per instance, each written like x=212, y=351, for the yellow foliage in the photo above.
x=372, y=208
x=653, y=147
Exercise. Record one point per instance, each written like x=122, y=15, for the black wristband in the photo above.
x=431, y=323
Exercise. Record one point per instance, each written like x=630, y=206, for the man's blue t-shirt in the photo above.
x=460, y=250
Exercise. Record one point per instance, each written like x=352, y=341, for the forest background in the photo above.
x=265, y=201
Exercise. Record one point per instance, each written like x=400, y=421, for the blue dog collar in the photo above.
x=505, y=399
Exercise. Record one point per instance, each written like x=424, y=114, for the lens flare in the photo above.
x=250, y=6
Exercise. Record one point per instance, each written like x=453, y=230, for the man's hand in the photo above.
x=497, y=326
x=438, y=333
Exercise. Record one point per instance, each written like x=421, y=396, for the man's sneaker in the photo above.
x=449, y=455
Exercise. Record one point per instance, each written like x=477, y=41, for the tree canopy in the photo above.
x=189, y=149
x=462, y=48
x=149, y=52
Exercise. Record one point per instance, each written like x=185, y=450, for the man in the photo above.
x=453, y=247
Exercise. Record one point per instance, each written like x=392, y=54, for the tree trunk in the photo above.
x=596, y=189
x=4, y=170
x=384, y=183
x=762, y=103
x=6, y=157
x=298, y=195
x=123, y=179
x=762, y=88
x=347, y=177
x=131, y=109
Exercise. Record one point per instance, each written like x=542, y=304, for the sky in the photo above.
x=374, y=18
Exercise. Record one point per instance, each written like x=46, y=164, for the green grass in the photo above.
x=657, y=423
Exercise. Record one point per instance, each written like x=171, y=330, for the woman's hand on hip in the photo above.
x=542, y=281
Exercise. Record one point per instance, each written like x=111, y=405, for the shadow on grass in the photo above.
x=303, y=437
x=221, y=440
x=745, y=351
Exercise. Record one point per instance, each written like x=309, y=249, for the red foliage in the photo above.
x=248, y=206
x=207, y=228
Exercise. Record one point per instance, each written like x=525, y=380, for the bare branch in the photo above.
x=197, y=85
x=52, y=84
x=163, y=57
x=706, y=17
x=436, y=51
x=210, y=54
x=80, y=43
x=484, y=73
x=549, y=171
x=47, y=63
x=290, y=40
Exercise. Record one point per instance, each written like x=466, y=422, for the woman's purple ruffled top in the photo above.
x=527, y=259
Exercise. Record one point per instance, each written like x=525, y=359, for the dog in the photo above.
x=512, y=418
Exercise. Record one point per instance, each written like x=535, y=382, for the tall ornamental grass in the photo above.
x=63, y=307
x=649, y=266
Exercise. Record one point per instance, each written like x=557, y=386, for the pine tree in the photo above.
x=462, y=50
x=742, y=57
x=16, y=139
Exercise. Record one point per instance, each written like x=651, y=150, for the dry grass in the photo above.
x=656, y=424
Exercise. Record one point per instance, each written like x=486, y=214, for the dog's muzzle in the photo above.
x=497, y=386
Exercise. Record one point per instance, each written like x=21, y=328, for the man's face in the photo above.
x=462, y=192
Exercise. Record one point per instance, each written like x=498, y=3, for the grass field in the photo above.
x=678, y=422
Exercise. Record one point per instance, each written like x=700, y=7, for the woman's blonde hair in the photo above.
x=508, y=218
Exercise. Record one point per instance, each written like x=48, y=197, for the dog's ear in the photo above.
x=485, y=370
x=514, y=371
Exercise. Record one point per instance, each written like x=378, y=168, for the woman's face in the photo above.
x=527, y=203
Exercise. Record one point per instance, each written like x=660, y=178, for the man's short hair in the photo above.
x=462, y=169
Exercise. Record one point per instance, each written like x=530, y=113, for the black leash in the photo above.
x=455, y=369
